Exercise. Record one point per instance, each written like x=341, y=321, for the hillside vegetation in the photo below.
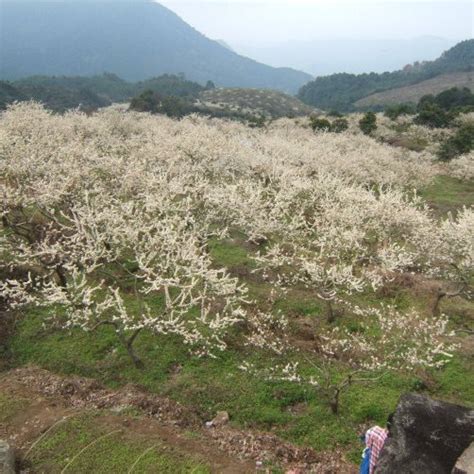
x=60, y=93
x=342, y=91
x=268, y=103
x=134, y=40
x=413, y=93
x=291, y=277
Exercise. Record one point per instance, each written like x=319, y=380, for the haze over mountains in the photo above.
x=135, y=40
x=328, y=56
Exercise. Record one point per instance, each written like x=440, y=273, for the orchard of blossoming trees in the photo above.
x=107, y=220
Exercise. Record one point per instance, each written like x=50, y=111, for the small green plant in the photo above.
x=368, y=123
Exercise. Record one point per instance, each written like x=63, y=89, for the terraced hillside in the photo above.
x=415, y=92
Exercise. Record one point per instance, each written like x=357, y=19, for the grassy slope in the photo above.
x=108, y=445
x=448, y=194
x=219, y=384
x=268, y=102
x=414, y=92
x=293, y=412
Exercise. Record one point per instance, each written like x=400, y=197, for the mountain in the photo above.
x=134, y=40
x=342, y=91
x=225, y=44
x=329, y=56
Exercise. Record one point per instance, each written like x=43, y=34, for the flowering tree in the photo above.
x=385, y=340
x=103, y=261
x=106, y=219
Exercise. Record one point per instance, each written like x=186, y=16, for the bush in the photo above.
x=339, y=125
x=176, y=107
x=320, y=124
x=368, y=123
x=147, y=101
x=460, y=143
x=454, y=98
x=432, y=115
x=256, y=121
x=394, y=111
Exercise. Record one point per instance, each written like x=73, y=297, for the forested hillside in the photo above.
x=134, y=40
x=60, y=93
x=341, y=91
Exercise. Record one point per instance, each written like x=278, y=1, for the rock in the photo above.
x=465, y=464
x=7, y=460
x=221, y=419
x=426, y=437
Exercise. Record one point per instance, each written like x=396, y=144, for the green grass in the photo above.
x=211, y=385
x=448, y=194
x=9, y=407
x=208, y=385
x=109, y=448
x=456, y=382
x=230, y=254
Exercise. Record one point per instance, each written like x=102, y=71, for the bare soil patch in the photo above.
x=49, y=398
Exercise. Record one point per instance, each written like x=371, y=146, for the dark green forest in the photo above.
x=90, y=93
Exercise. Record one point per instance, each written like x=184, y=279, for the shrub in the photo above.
x=454, y=97
x=460, y=143
x=147, y=101
x=368, y=123
x=256, y=121
x=339, y=125
x=432, y=115
x=320, y=124
x=394, y=111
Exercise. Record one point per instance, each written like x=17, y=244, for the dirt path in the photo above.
x=226, y=450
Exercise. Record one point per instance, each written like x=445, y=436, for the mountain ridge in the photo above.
x=133, y=40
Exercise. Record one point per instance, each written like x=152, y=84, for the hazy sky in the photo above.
x=270, y=21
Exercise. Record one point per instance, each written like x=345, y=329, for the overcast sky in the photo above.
x=271, y=21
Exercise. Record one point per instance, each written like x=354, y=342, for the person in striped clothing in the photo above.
x=375, y=439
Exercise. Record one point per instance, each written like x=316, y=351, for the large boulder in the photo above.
x=426, y=437
x=7, y=460
x=465, y=464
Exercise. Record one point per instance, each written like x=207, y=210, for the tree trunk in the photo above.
x=330, y=316
x=128, y=343
x=137, y=362
x=334, y=402
x=62, y=276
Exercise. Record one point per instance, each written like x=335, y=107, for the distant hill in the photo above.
x=268, y=103
x=61, y=93
x=134, y=40
x=415, y=92
x=343, y=91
